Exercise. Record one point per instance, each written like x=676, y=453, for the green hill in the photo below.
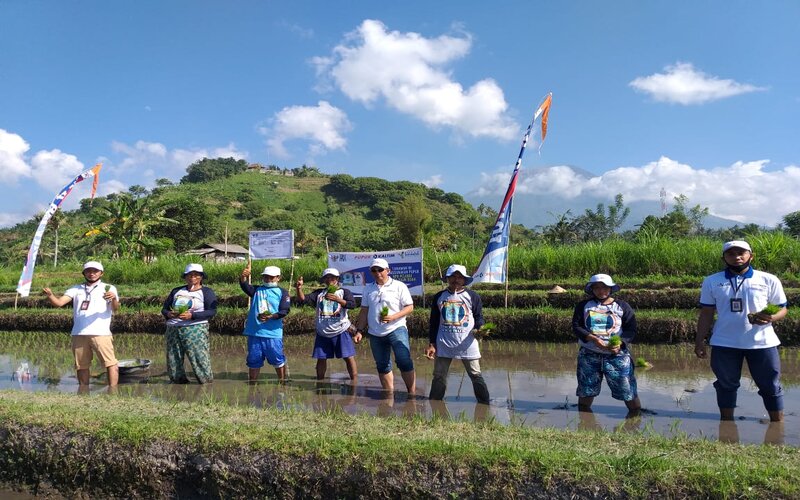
x=226, y=197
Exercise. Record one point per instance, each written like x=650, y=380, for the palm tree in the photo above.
x=125, y=223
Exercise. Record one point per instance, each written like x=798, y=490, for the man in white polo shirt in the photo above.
x=384, y=307
x=733, y=294
x=92, y=305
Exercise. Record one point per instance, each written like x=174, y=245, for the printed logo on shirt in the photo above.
x=328, y=308
x=182, y=302
x=601, y=323
x=454, y=313
x=263, y=305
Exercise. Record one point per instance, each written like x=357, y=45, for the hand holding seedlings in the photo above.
x=614, y=343
x=764, y=316
x=485, y=330
x=330, y=293
x=385, y=317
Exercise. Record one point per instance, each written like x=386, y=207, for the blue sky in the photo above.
x=699, y=98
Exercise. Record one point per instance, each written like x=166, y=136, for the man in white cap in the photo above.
x=456, y=313
x=384, y=306
x=333, y=326
x=93, y=302
x=743, y=330
x=264, y=326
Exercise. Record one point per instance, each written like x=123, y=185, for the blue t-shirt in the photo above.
x=266, y=300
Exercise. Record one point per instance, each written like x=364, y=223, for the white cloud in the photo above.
x=12, y=157
x=182, y=158
x=54, y=169
x=683, y=84
x=153, y=159
x=408, y=71
x=10, y=219
x=743, y=192
x=433, y=181
x=112, y=186
x=323, y=125
x=300, y=31
x=140, y=154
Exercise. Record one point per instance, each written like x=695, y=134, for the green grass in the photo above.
x=633, y=464
x=659, y=260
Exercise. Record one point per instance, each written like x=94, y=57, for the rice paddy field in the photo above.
x=530, y=348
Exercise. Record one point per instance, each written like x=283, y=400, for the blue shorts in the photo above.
x=261, y=348
x=382, y=348
x=617, y=369
x=340, y=346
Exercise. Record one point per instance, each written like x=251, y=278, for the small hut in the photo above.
x=220, y=252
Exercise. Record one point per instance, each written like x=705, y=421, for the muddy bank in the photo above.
x=513, y=325
x=665, y=298
x=79, y=465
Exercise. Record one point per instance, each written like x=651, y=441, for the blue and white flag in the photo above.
x=492, y=268
x=26, y=278
x=493, y=265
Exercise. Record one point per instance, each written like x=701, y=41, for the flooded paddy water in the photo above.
x=531, y=384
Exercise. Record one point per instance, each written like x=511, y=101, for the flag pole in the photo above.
x=508, y=255
x=422, y=258
x=541, y=110
x=498, y=246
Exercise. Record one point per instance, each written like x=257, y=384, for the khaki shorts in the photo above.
x=102, y=345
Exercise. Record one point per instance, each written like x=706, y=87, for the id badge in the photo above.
x=84, y=305
x=736, y=305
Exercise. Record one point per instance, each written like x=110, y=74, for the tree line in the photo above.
x=218, y=199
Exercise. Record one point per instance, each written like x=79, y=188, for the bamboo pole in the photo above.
x=422, y=271
x=508, y=255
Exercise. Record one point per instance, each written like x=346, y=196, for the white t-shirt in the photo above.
x=393, y=294
x=94, y=318
x=756, y=289
x=332, y=319
x=455, y=339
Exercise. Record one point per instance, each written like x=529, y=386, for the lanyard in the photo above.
x=736, y=284
x=89, y=292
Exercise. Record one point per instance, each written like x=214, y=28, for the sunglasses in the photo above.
x=376, y=269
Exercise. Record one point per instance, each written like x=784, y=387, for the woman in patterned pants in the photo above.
x=187, y=311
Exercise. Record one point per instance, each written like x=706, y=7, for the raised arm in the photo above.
x=56, y=301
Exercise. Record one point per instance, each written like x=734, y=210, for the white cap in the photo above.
x=330, y=271
x=601, y=278
x=193, y=268
x=380, y=263
x=271, y=271
x=93, y=264
x=458, y=268
x=736, y=244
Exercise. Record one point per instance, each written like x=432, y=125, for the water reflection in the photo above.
x=531, y=384
x=774, y=433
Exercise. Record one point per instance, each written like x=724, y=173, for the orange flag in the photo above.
x=544, y=111
x=96, y=172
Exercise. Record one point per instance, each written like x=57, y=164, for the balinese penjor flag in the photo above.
x=492, y=268
x=24, y=285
